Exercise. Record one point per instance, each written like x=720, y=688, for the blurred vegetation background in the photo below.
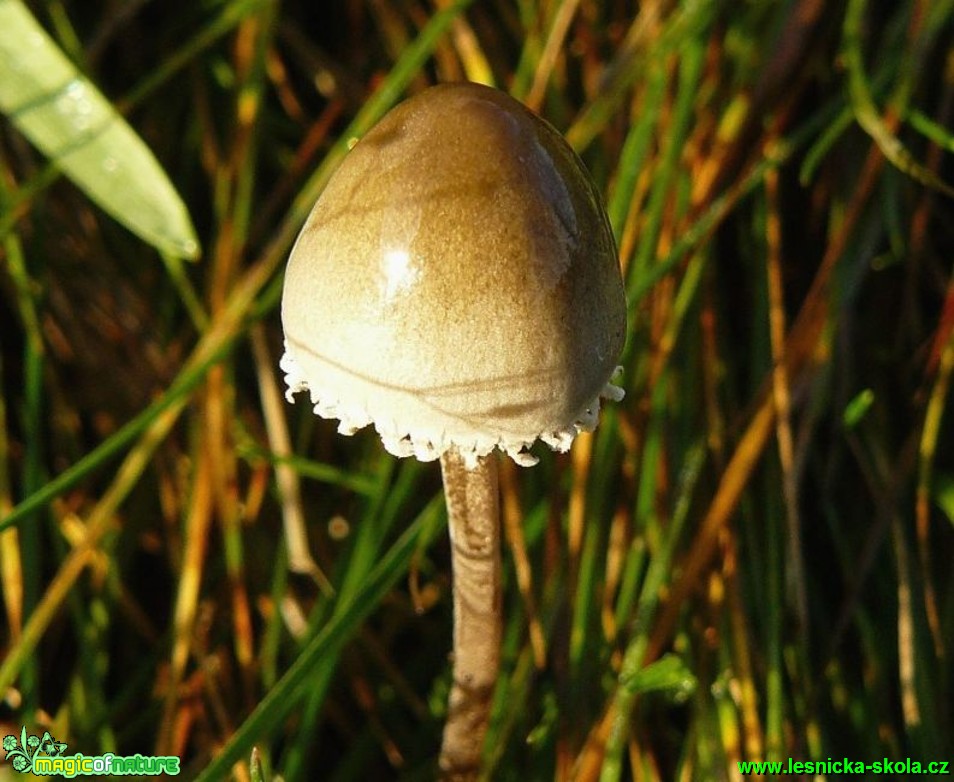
x=190, y=566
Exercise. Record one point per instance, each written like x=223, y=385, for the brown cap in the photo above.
x=456, y=284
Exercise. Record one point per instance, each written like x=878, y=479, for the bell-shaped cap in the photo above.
x=457, y=284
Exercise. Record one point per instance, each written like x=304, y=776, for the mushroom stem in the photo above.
x=473, y=511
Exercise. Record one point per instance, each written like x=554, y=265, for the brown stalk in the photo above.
x=473, y=514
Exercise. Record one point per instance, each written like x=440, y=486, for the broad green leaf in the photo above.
x=71, y=122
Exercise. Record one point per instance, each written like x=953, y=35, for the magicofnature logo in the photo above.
x=44, y=756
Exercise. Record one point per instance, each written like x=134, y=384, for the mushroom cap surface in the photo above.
x=457, y=283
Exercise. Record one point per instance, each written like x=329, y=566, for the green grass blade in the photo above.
x=284, y=696
x=931, y=130
x=862, y=103
x=113, y=444
x=73, y=124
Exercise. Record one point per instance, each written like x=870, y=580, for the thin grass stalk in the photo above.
x=801, y=341
x=279, y=701
x=927, y=450
x=512, y=516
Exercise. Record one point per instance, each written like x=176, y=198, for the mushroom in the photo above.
x=457, y=285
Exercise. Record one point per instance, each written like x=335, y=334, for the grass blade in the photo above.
x=73, y=124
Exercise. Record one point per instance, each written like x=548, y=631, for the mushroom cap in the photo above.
x=457, y=283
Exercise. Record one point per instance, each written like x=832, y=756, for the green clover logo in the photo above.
x=21, y=752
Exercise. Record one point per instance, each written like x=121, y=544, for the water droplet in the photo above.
x=75, y=103
x=189, y=249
